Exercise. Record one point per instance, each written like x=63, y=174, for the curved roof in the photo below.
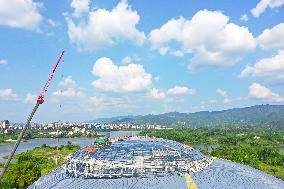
x=218, y=175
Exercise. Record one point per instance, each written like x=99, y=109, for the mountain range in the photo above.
x=256, y=116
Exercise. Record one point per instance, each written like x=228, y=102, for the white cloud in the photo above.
x=7, y=94
x=126, y=60
x=20, y=14
x=103, y=101
x=69, y=93
x=270, y=69
x=180, y=90
x=213, y=41
x=104, y=28
x=244, y=17
x=130, y=59
x=177, y=53
x=157, y=78
x=52, y=23
x=68, y=82
x=157, y=94
x=272, y=38
x=30, y=98
x=224, y=94
x=170, y=93
x=264, y=4
x=50, y=34
x=2, y=61
x=262, y=93
x=80, y=6
x=226, y=101
x=208, y=102
x=130, y=78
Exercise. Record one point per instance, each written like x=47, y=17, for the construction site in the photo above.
x=135, y=157
x=142, y=162
x=125, y=160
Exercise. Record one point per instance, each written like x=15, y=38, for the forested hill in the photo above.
x=259, y=116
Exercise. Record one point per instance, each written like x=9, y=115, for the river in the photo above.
x=81, y=141
x=30, y=144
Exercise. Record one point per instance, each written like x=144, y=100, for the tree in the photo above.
x=28, y=135
x=21, y=175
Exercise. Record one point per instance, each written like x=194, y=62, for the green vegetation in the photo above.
x=256, y=148
x=52, y=133
x=30, y=165
x=28, y=135
x=266, y=159
x=4, y=137
x=260, y=116
x=32, y=134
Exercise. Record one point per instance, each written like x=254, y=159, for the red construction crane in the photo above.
x=39, y=101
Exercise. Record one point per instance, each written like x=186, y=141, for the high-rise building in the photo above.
x=4, y=124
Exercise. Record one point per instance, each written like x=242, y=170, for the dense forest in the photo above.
x=265, y=116
x=257, y=148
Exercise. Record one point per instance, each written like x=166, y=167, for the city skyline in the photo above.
x=134, y=58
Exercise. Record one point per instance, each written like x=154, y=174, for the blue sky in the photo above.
x=139, y=57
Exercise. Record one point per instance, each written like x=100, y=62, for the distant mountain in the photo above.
x=259, y=115
x=113, y=119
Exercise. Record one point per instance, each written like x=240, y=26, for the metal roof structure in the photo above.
x=136, y=157
x=152, y=163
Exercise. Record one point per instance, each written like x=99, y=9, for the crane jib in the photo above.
x=40, y=100
x=45, y=88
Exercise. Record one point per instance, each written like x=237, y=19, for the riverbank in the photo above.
x=30, y=165
x=5, y=149
x=12, y=142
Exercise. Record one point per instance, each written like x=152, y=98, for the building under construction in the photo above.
x=135, y=157
x=143, y=163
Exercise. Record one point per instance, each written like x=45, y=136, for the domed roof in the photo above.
x=152, y=163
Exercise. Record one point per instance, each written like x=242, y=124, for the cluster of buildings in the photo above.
x=96, y=126
x=5, y=127
x=137, y=126
x=72, y=131
x=76, y=128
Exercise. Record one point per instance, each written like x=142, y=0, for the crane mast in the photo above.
x=39, y=101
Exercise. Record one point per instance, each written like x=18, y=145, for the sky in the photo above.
x=139, y=57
